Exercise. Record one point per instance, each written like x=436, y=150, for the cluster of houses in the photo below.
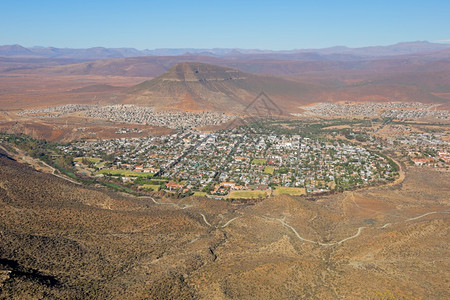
x=441, y=159
x=128, y=113
x=222, y=162
x=148, y=116
x=427, y=140
x=399, y=110
x=125, y=130
x=426, y=149
x=54, y=111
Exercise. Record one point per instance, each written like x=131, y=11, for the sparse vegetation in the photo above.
x=124, y=173
x=293, y=191
x=247, y=194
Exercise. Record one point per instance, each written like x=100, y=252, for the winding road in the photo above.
x=358, y=232
x=187, y=206
x=168, y=203
x=59, y=176
x=27, y=159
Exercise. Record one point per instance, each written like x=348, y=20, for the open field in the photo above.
x=200, y=194
x=89, y=159
x=72, y=128
x=247, y=194
x=269, y=170
x=21, y=91
x=293, y=191
x=124, y=173
x=152, y=187
x=259, y=161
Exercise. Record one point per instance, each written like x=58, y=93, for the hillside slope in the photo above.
x=63, y=241
x=199, y=86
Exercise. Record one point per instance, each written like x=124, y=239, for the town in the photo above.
x=422, y=149
x=132, y=114
x=232, y=164
x=399, y=110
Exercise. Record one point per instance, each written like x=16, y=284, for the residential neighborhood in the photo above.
x=399, y=110
x=222, y=163
x=128, y=113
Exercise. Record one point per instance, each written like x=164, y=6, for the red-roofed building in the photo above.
x=173, y=185
x=228, y=184
x=422, y=161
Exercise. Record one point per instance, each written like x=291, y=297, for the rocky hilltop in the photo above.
x=199, y=86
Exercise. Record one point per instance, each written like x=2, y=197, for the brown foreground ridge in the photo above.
x=62, y=240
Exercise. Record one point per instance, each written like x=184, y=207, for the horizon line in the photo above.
x=440, y=42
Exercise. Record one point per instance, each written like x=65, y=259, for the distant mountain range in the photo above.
x=228, y=79
x=152, y=66
x=332, y=53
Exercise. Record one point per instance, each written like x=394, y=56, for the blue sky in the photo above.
x=222, y=24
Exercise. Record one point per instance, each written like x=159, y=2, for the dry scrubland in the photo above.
x=60, y=240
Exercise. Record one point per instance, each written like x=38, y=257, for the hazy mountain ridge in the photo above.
x=152, y=66
x=416, y=76
x=330, y=53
